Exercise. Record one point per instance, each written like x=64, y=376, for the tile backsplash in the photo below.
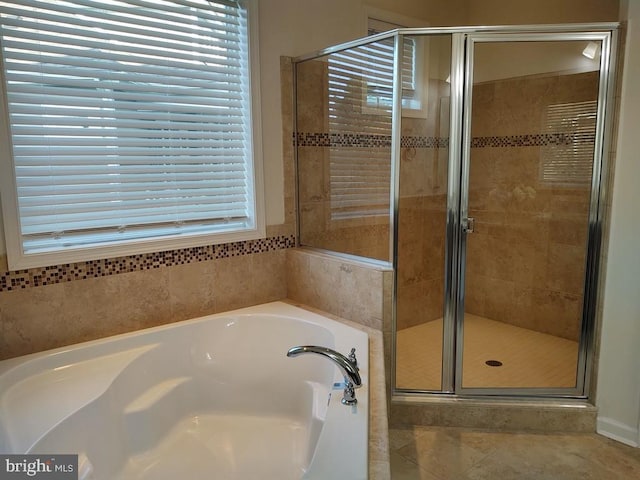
x=45, y=308
x=36, y=277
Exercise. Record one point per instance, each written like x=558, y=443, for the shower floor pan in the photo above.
x=527, y=358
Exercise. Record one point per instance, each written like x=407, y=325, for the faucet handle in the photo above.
x=352, y=357
x=349, y=394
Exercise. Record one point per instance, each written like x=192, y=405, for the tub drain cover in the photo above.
x=494, y=363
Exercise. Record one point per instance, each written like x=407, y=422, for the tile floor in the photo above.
x=447, y=453
x=529, y=358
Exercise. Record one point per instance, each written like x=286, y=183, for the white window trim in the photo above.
x=16, y=257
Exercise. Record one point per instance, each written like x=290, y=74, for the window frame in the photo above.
x=18, y=259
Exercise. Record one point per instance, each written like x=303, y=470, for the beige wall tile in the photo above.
x=349, y=289
x=144, y=298
x=96, y=307
x=32, y=320
x=557, y=313
x=269, y=276
x=233, y=283
x=288, y=163
x=311, y=165
x=565, y=268
x=499, y=298
x=324, y=284
x=311, y=109
x=410, y=306
x=44, y=317
x=192, y=290
x=297, y=274
x=529, y=236
x=361, y=295
x=474, y=297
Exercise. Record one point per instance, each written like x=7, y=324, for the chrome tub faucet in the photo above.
x=347, y=365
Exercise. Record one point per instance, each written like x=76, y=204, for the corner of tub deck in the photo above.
x=379, y=456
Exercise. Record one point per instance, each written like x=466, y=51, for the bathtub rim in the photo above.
x=34, y=363
x=9, y=364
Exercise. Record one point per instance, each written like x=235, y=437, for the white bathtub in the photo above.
x=215, y=397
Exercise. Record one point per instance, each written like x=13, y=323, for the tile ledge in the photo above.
x=378, y=265
x=545, y=404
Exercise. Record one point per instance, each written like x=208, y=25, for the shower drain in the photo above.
x=494, y=363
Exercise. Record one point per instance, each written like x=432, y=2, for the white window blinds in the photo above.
x=384, y=59
x=360, y=128
x=360, y=107
x=568, y=158
x=129, y=119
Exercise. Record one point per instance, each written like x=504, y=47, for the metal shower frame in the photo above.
x=463, y=40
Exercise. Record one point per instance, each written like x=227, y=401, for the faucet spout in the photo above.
x=348, y=368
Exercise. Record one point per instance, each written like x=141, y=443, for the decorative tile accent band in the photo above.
x=424, y=142
x=370, y=141
x=36, y=277
x=342, y=140
x=366, y=140
x=536, y=140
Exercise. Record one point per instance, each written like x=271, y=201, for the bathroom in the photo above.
x=42, y=309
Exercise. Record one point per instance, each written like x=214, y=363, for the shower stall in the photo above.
x=473, y=161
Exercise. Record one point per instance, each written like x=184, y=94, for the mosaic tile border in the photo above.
x=341, y=140
x=424, y=142
x=369, y=141
x=36, y=277
x=366, y=140
x=535, y=140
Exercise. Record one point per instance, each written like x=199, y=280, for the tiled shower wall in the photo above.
x=422, y=211
x=423, y=195
x=525, y=262
x=526, y=259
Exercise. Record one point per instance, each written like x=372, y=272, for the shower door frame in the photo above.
x=463, y=39
x=586, y=338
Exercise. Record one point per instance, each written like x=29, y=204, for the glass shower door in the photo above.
x=530, y=131
x=422, y=211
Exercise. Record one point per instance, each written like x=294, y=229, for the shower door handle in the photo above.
x=468, y=224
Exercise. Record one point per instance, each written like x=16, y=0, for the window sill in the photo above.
x=17, y=260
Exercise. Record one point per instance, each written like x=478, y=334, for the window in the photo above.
x=360, y=109
x=360, y=153
x=568, y=157
x=131, y=127
x=380, y=82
